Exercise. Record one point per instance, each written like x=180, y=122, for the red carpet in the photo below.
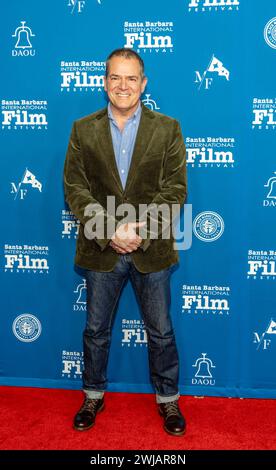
x=33, y=418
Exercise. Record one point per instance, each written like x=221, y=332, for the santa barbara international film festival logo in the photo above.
x=215, y=68
x=204, y=368
x=77, y=6
x=27, y=183
x=263, y=341
x=212, y=5
x=261, y=265
x=23, y=41
x=26, y=328
x=82, y=76
x=208, y=226
x=24, y=114
x=72, y=364
x=70, y=225
x=206, y=300
x=270, y=33
x=26, y=259
x=210, y=152
x=264, y=113
x=149, y=36
x=134, y=333
x=270, y=185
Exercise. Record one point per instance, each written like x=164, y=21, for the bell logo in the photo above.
x=203, y=374
x=271, y=184
x=270, y=200
x=81, y=292
x=23, y=46
x=150, y=103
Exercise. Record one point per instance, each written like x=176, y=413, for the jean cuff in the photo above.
x=98, y=394
x=166, y=399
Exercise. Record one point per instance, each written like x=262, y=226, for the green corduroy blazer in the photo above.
x=157, y=174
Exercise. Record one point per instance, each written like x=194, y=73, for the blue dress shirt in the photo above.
x=123, y=141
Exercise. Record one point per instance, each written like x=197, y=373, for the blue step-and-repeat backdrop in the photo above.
x=211, y=65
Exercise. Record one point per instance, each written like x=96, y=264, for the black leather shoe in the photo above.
x=85, y=418
x=174, y=421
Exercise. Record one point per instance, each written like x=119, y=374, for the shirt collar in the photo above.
x=136, y=114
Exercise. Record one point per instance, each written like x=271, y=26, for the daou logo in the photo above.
x=81, y=293
x=150, y=103
x=203, y=375
x=270, y=200
x=23, y=46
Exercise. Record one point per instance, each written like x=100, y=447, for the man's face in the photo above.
x=124, y=84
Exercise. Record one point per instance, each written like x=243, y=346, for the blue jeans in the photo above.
x=153, y=294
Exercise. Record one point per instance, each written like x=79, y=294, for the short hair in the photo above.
x=127, y=53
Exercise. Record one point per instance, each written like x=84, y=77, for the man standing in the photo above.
x=136, y=157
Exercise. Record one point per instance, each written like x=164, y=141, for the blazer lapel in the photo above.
x=104, y=137
x=144, y=138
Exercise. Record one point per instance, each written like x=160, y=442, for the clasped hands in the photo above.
x=125, y=239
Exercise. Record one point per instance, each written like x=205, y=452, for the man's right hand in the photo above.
x=125, y=239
